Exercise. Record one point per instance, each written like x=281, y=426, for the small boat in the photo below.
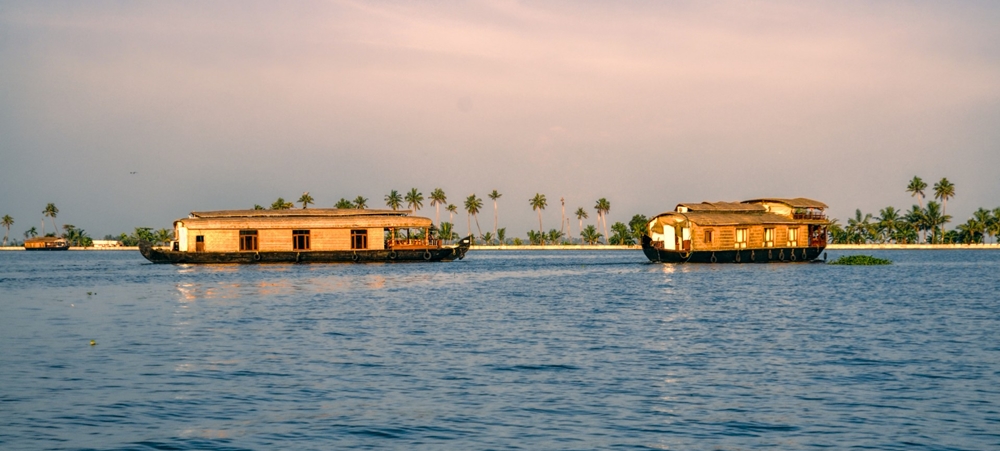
x=313, y=235
x=764, y=230
x=46, y=243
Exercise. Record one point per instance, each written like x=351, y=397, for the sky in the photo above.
x=223, y=105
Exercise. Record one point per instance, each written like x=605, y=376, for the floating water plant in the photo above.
x=861, y=260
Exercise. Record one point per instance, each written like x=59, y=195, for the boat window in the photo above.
x=300, y=240
x=708, y=236
x=793, y=236
x=741, y=238
x=359, y=239
x=248, y=240
x=769, y=237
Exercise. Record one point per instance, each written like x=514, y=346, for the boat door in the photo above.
x=669, y=240
x=686, y=238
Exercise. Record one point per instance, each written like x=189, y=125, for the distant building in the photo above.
x=107, y=243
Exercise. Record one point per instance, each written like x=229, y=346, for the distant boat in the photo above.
x=46, y=243
x=314, y=235
x=753, y=231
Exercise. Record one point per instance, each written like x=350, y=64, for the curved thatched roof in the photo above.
x=726, y=218
x=297, y=213
x=308, y=218
x=798, y=202
x=722, y=206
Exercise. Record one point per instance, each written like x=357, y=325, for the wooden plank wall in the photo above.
x=281, y=239
x=725, y=237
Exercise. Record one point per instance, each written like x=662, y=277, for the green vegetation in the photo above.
x=438, y=198
x=51, y=211
x=305, y=200
x=472, y=206
x=7, y=222
x=494, y=196
x=860, y=260
x=393, y=200
x=920, y=224
x=539, y=203
x=415, y=200
x=280, y=204
x=603, y=207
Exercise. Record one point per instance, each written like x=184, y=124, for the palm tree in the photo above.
x=622, y=235
x=590, y=235
x=452, y=209
x=994, y=227
x=446, y=231
x=539, y=203
x=944, y=190
x=917, y=218
x=30, y=233
x=502, y=235
x=935, y=220
x=360, y=202
x=581, y=214
x=7, y=221
x=638, y=226
x=472, y=205
x=438, y=198
x=164, y=236
x=888, y=224
x=51, y=211
x=982, y=220
x=305, y=200
x=859, y=228
x=562, y=215
x=344, y=204
x=554, y=236
x=535, y=237
x=603, y=207
x=494, y=195
x=257, y=207
x=916, y=189
x=393, y=200
x=415, y=200
x=280, y=204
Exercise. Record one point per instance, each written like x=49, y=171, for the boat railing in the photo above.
x=809, y=216
x=412, y=243
x=817, y=242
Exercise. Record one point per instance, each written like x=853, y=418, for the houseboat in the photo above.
x=46, y=243
x=313, y=235
x=752, y=231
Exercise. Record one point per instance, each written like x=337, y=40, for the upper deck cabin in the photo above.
x=301, y=230
x=752, y=224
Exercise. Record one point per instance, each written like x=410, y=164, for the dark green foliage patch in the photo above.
x=862, y=260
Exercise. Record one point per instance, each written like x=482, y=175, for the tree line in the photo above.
x=617, y=233
x=919, y=224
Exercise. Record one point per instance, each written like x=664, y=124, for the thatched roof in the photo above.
x=45, y=239
x=723, y=206
x=310, y=218
x=798, y=202
x=297, y=213
x=720, y=219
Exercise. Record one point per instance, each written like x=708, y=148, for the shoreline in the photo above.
x=601, y=247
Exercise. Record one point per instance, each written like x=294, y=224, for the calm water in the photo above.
x=504, y=350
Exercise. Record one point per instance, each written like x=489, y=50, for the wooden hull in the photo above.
x=430, y=254
x=51, y=248
x=765, y=255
